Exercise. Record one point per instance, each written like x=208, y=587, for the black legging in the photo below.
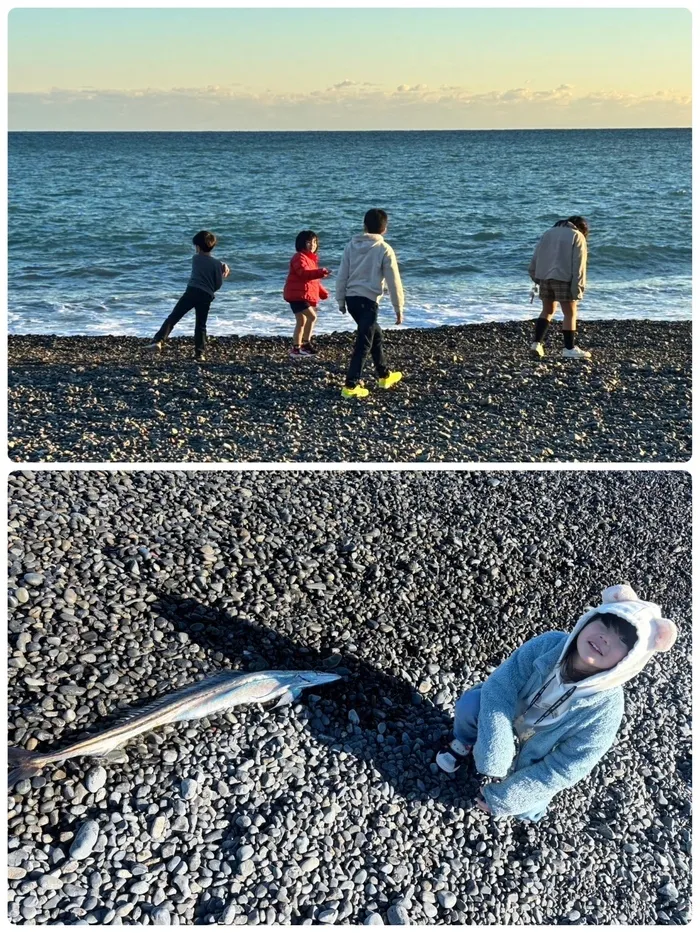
x=369, y=339
x=193, y=298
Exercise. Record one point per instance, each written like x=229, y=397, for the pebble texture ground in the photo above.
x=471, y=393
x=414, y=586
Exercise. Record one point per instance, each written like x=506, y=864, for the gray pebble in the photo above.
x=95, y=779
x=85, y=840
x=33, y=579
x=189, y=789
x=397, y=916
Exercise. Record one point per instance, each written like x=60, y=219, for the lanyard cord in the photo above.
x=554, y=706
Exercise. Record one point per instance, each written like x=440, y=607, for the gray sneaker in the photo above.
x=155, y=347
x=538, y=349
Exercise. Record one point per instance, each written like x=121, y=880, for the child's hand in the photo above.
x=326, y=272
x=225, y=271
x=342, y=309
x=481, y=804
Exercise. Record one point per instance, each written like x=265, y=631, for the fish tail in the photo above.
x=24, y=764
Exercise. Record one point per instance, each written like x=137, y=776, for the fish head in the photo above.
x=315, y=679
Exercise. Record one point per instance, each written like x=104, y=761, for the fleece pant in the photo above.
x=465, y=729
x=369, y=339
x=193, y=298
x=467, y=715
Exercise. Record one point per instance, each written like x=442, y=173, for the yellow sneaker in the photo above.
x=390, y=380
x=357, y=392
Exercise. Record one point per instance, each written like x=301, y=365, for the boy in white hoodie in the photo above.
x=368, y=262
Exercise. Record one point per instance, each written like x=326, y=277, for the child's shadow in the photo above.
x=395, y=729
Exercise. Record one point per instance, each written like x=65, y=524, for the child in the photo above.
x=303, y=291
x=562, y=696
x=558, y=266
x=206, y=279
x=367, y=262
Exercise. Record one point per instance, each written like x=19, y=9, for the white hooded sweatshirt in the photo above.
x=368, y=262
x=653, y=631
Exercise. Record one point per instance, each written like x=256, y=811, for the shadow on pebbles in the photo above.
x=413, y=587
x=470, y=393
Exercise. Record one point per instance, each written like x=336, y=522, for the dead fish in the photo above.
x=214, y=694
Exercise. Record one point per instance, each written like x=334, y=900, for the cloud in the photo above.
x=345, y=104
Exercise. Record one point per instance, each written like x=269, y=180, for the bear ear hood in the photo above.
x=654, y=633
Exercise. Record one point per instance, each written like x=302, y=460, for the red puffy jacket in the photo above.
x=303, y=279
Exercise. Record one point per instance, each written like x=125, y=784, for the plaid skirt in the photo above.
x=554, y=290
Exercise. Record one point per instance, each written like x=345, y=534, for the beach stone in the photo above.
x=447, y=899
x=161, y=916
x=95, y=779
x=189, y=789
x=397, y=916
x=158, y=827
x=85, y=839
x=373, y=920
x=21, y=595
x=33, y=579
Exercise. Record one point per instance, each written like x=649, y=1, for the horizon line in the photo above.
x=500, y=129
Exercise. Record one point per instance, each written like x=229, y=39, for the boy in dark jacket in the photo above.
x=303, y=291
x=207, y=278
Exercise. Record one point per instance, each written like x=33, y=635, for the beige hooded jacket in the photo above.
x=561, y=254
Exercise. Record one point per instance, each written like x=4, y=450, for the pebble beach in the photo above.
x=470, y=393
x=124, y=586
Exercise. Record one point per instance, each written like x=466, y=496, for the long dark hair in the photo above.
x=621, y=627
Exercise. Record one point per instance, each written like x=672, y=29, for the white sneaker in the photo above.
x=451, y=759
x=538, y=349
x=576, y=354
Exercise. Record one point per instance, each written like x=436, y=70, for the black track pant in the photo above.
x=193, y=298
x=369, y=340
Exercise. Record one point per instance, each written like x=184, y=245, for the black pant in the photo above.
x=193, y=298
x=369, y=340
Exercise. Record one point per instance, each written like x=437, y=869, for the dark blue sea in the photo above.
x=100, y=223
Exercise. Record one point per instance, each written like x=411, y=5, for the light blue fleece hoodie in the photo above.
x=563, y=753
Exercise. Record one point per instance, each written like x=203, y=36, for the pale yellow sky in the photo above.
x=361, y=68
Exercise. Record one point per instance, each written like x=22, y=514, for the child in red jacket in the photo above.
x=303, y=291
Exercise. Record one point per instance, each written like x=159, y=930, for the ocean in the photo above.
x=100, y=224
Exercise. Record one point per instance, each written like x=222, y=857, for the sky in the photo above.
x=315, y=69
